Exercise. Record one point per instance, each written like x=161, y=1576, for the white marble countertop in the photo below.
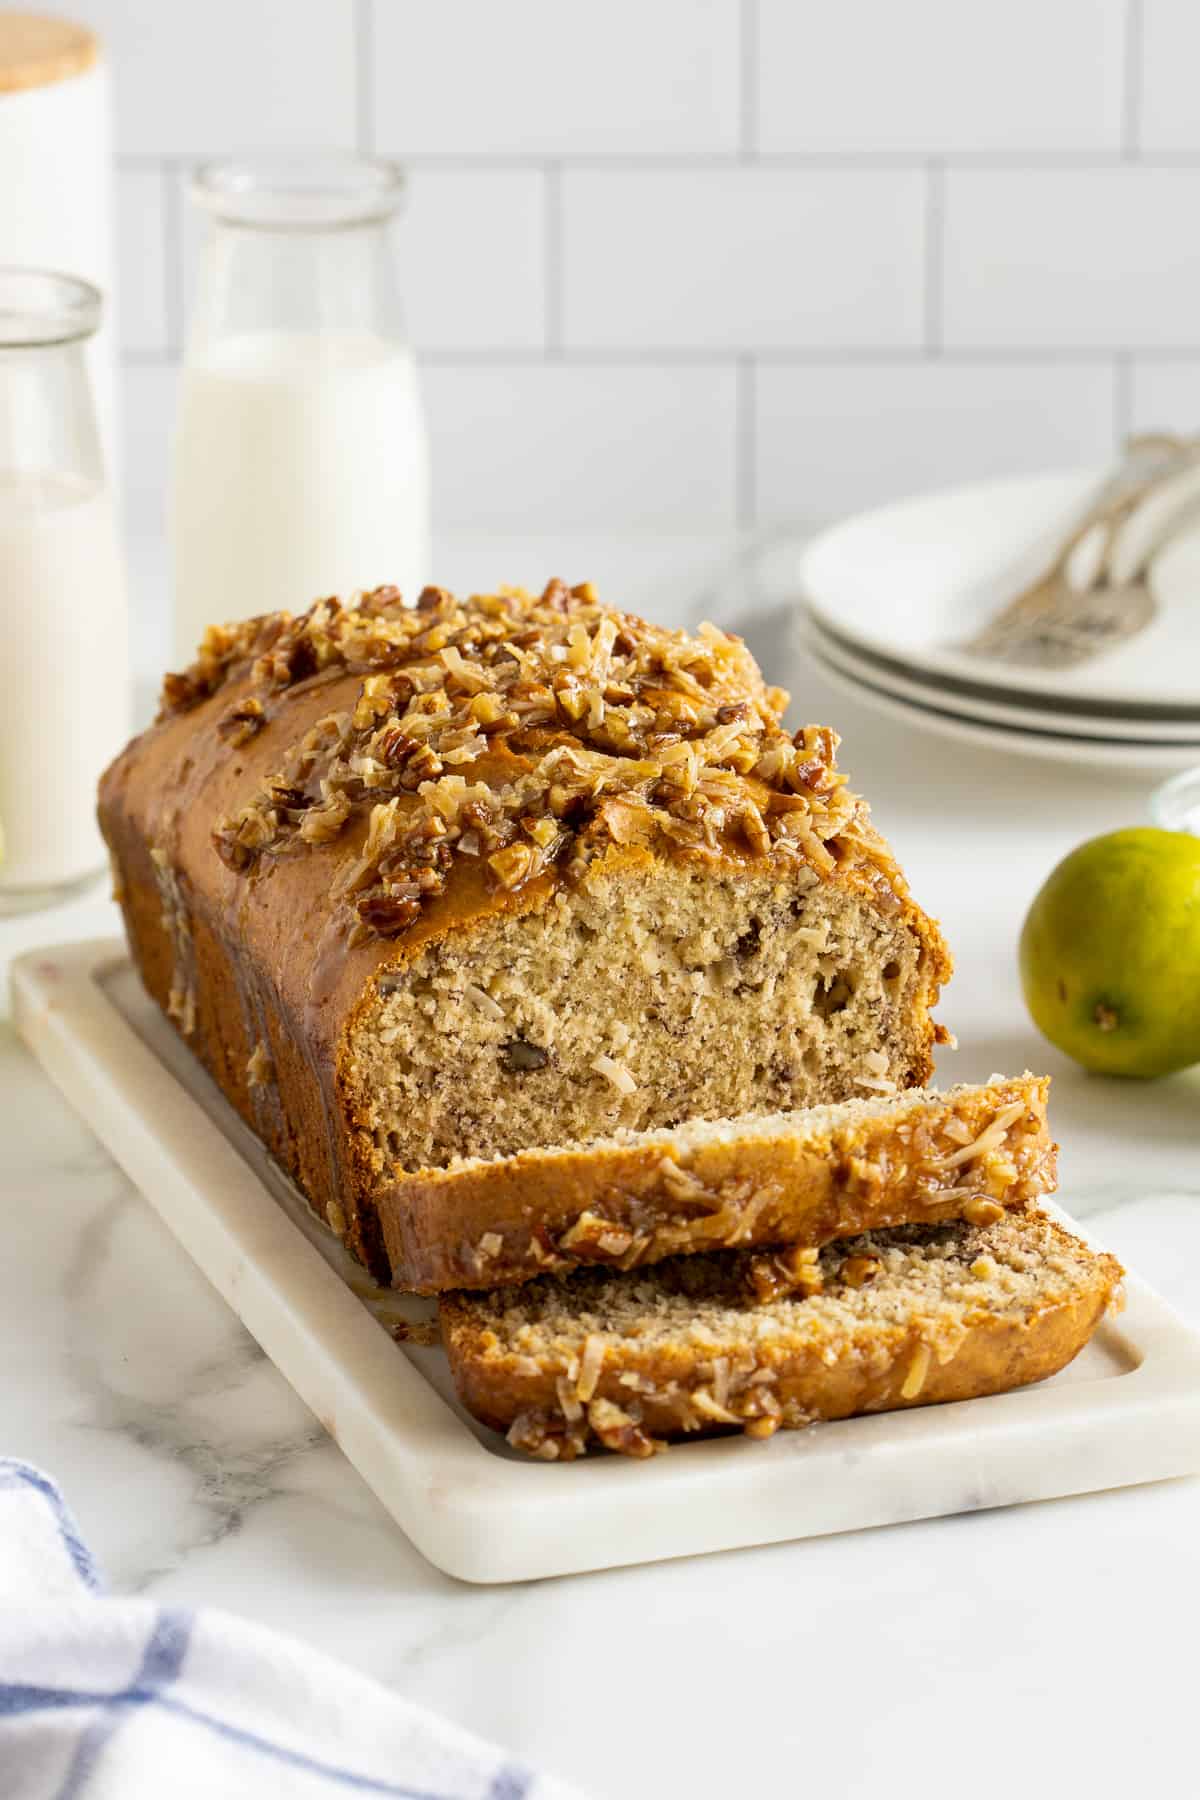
x=854, y=1665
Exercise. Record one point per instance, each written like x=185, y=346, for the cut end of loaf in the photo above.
x=650, y=994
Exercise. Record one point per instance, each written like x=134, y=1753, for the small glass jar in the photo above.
x=64, y=660
x=1175, y=806
x=301, y=463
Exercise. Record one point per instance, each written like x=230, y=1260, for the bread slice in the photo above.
x=896, y=1318
x=776, y=1178
x=452, y=880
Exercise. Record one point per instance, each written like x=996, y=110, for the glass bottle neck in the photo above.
x=298, y=285
x=48, y=425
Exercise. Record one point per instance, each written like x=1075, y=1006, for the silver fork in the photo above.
x=1058, y=623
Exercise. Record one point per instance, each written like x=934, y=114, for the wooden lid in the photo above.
x=36, y=49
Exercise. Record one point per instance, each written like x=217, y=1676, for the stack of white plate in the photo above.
x=892, y=596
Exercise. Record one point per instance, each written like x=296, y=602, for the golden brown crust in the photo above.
x=267, y=956
x=627, y=1205
x=632, y=1393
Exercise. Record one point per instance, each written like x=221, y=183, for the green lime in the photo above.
x=1110, y=953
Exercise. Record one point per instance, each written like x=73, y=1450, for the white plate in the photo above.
x=1126, y=1411
x=1042, y=745
x=914, y=580
x=1065, y=719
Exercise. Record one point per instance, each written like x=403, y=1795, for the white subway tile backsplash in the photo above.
x=1169, y=112
x=1165, y=396
x=835, y=437
x=148, y=395
x=539, y=77
x=142, y=260
x=669, y=260
x=550, y=446
x=147, y=415
x=1104, y=257
x=740, y=259
x=228, y=75
x=472, y=255
x=470, y=249
x=940, y=76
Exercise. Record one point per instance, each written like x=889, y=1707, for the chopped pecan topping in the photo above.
x=791, y=1272
x=858, y=1271
x=421, y=1332
x=620, y=1430
x=548, y=1438
x=595, y=1239
x=763, y=1427
x=241, y=722
x=386, y=915
x=615, y=731
x=982, y=1212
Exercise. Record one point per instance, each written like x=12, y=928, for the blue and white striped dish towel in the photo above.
x=103, y=1698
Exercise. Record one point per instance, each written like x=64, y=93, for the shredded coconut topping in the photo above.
x=990, y=1138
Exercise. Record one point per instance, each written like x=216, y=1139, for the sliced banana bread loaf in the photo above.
x=454, y=880
x=739, y=1339
x=772, y=1178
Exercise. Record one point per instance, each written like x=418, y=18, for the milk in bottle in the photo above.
x=64, y=690
x=300, y=462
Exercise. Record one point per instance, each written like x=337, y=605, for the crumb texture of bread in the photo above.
x=418, y=883
x=797, y=1177
x=639, y=998
x=742, y=1340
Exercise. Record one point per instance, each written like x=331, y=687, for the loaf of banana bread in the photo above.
x=455, y=880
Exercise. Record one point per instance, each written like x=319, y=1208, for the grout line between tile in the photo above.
x=935, y=258
x=174, y=300
x=1122, y=398
x=495, y=356
x=554, y=272
x=745, y=446
x=748, y=48
x=364, y=61
x=1131, y=99
x=630, y=162
x=665, y=356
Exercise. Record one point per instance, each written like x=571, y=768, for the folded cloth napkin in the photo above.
x=110, y=1699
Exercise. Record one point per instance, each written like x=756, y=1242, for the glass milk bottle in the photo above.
x=301, y=465
x=64, y=671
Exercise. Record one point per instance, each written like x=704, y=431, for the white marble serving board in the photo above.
x=1127, y=1410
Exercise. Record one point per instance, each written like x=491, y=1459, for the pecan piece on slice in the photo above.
x=620, y=1431
x=857, y=1271
x=789, y=1273
x=239, y=724
x=595, y=1239
x=386, y=914
x=548, y=1438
